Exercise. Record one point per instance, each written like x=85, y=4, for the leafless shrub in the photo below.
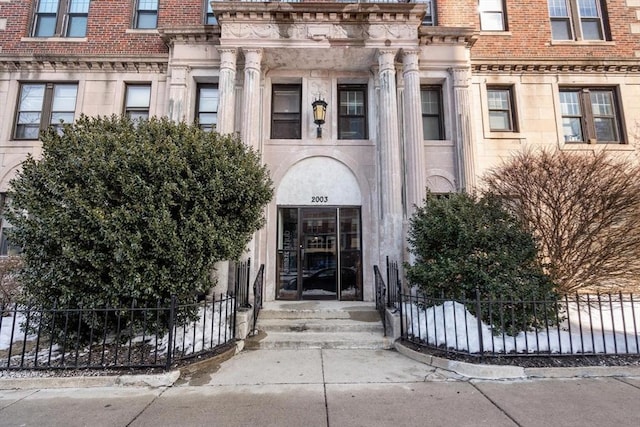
x=584, y=209
x=9, y=286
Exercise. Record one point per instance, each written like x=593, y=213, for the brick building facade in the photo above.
x=425, y=94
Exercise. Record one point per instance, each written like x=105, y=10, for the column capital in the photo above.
x=461, y=76
x=410, y=60
x=228, y=57
x=387, y=59
x=252, y=58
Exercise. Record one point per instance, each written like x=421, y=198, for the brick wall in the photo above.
x=107, y=28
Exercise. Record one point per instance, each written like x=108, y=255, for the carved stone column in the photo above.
x=250, y=128
x=464, y=139
x=177, y=93
x=391, y=166
x=227, y=91
x=413, y=135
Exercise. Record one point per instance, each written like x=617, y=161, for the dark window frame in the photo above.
x=209, y=16
x=63, y=17
x=439, y=116
x=511, y=110
x=129, y=109
x=502, y=12
x=344, y=118
x=574, y=22
x=138, y=13
x=45, y=111
x=206, y=126
x=587, y=118
x=293, y=119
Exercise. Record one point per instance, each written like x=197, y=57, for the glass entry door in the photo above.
x=314, y=244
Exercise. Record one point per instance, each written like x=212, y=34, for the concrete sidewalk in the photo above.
x=331, y=388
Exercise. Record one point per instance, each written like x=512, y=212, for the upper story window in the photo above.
x=146, y=14
x=430, y=15
x=285, y=112
x=61, y=18
x=207, y=106
x=137, y=101
x=432, y=127
x=590, y=115
x=502, y=114
x=576, y=19
x=492, y=15
x=209, y=17
x=352, y=112
x=42, y=105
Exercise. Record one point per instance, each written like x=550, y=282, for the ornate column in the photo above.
x=413, y=135
x=227, y=90
x=177, y=93
x=390, y=163
x=250, y=127
x=464, y=140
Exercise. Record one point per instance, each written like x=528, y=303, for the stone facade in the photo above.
x=442, y=103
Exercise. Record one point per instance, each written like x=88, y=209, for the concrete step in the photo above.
x=319, y=324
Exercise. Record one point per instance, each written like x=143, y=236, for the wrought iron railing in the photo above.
x=381, y=296
x=114, y=337
x=580, y=324
x=242, y=282
x=258, y=286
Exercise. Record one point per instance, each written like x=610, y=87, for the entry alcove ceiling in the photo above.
x=310, y=35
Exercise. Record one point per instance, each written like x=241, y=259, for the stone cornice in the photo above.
x=66, y=63
x=447, y=35
x=557, y=66
x=190, y=34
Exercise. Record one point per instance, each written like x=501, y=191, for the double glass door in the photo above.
x=319, y=253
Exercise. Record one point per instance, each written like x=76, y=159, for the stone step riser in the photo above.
x=271, y=314
x=304, y=327
x=304, y=345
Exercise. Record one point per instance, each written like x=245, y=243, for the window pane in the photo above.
x=490, y=5
x=572, y=129
x=48, y=6
x=285, y=129
x=138, y=115
x=605, y=129
x=588, y=8
x=431, y=128
x=499, y=120
x=147, y=4
x=28, y=126
x=208, y=99
x=77, y=26
x=602, y=103
x=138, y=96
x=45, y=26
x=147, y=20
x=31, y=97
x=498, y=99
x=207, y=121
x=430, y=101
x=352, y=128
x=561, y=30
x=286, y=101
x=591, y=30
x=65, y=117
x=351, y=102
x=79, y=6
x=491, y=21
x=558, y=8
x=64, y=97
x=570, y=104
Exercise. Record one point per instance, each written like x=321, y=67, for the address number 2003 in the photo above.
x=319, y=199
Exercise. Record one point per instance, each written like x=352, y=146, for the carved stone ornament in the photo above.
x=461, y=76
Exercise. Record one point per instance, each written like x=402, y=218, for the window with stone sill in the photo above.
x=591, y=115
x=209, y=17
x=137, y=101
x=146, y=15
x=578, y=20
x=285, y=111
x=60, y=18
x=492, y=15
x=432, y=117
x=352, y=112
x=41, y=105
x=207, y=106
x=502, y=112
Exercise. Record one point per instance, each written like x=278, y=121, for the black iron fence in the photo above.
x=242, y=282
x=572, y=325
x=258, y=286
x=395, y=285
x=381, y=292
x=133, y=337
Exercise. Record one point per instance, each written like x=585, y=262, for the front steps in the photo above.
x=319, y=324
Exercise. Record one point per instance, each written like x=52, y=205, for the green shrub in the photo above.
x=118, y=212
x=462, y=244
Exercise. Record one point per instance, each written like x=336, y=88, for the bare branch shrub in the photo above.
x=584, y=210
x=9, y=286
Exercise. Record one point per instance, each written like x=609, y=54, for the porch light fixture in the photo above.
x=319, y=114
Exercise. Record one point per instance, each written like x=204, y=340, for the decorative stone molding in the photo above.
x=461, y=76
x=410, y=60
x=252, y=58
x=448, y=35
x=312, y=31
x=106, y=65
x=189, y=34
x=228, y=58
x=564, y=67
